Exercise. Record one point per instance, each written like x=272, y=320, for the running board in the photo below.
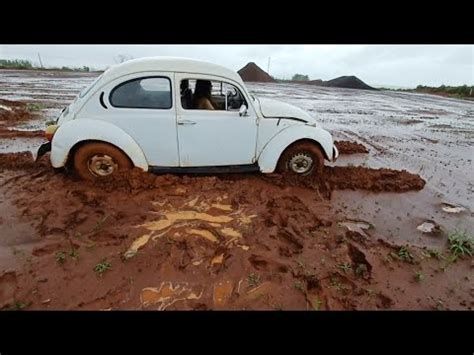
x=204, y=169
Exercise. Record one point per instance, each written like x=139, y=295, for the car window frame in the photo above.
x=142, y=78
x=204, y=77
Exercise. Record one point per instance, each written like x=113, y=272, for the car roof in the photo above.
x=170, y=64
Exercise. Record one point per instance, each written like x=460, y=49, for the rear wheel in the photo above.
x=302, y=159
x=97, y=160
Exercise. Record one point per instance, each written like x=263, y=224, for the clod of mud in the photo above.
x=357, y=226
x=346, y=147
x=362, y=267
x=8, y=281
x=429, y=227
x=449, y=208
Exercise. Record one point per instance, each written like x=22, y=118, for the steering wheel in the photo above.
x=234, y=101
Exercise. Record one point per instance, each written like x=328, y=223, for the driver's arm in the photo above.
x=207, y=105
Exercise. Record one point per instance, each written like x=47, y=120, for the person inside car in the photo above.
x=186, y=94
x=202, y=96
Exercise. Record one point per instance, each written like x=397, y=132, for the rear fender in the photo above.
x=70, y=133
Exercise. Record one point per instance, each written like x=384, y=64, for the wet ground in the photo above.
x=372, y=233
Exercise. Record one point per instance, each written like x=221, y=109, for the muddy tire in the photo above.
x=301, y=160
x=94, y=161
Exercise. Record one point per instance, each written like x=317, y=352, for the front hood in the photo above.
x=276, y=109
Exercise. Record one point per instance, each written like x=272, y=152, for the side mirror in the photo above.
x=243, y=110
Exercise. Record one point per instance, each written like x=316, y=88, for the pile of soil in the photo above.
x=346, y=147
x=349, y=82
x=252, y=72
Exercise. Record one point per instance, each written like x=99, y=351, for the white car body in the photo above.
x=161, y=139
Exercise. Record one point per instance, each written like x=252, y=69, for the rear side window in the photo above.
x=150, y=92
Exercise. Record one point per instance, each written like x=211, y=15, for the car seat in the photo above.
x=187, y=99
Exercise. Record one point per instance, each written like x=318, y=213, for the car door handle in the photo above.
x=186, y=122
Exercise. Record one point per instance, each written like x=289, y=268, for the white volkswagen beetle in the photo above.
x=142, y=113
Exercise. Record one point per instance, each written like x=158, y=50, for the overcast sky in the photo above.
x=389, y=65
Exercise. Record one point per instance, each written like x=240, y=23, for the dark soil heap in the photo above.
x=349, y=82
x=252, y=72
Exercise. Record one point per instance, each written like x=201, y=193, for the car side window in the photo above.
x=199, y=94
x=149, y=92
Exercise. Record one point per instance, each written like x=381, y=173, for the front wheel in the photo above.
x=302, y=159
x=97, y=160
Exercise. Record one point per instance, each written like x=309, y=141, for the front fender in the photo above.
x=72, y=132
x=271, y=152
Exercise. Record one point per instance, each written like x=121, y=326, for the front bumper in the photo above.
x=42, y=150
x=335, y=153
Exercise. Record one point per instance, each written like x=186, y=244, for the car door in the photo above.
x=215, y=137
x=142, y=105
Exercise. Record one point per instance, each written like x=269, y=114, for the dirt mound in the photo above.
x=377, y=180
x=346, y=147
x=252, y=72
x=14, y=111
x=349, y=82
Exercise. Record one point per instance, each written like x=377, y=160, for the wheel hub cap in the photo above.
x=102, y=165
x=301, y=163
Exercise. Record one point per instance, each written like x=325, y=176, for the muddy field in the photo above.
x=371, y=233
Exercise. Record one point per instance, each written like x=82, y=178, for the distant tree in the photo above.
x=15, y=63
x=300, y=77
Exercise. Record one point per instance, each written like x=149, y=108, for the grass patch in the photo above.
x=254, y=280
x=60, y=257
x=419, y=276
x=361, y=269
x=346, y=267
x=316, y=303
x=73, y=253
x=299, y=285
x=33, y=107
x=18, y=306
x=460, y=244
x=404, y=254
x=99, y=225
x=102, y=267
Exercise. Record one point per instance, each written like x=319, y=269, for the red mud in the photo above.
x=377, y=180
x=346, y=147
x=141, y=241
x=12, y=133
x=17, y=111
